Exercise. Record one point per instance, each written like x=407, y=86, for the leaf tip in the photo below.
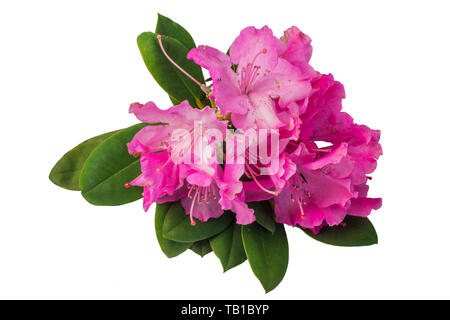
x=267, y=290
x=374, y=240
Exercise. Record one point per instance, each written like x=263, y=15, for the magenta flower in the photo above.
x=262, y=78
x=296, y=48
x=265, y=83
x=232, y=193
x=186, y=169
x=330, y=182
x=311, y=195
x=176, y=160
x=275, y=133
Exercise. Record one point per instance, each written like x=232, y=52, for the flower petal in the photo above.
x=255, y=46
x=362, y=207
x=284, y=82
x=333, y=157
x=325, y=190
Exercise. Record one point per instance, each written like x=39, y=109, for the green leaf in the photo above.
x=170, y=248
x=202, y=248
x=66, y=172
x=267, y=253
x=173, y=81
x=108, y=168
x=228, y=247
x=177, y=226
x=356, y=233
x=168, y=27
x=264, y=214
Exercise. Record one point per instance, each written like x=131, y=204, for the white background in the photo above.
x=70, y=69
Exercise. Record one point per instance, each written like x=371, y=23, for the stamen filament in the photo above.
x=162, y=167
x=192, y=208
x=250, y=72
x=322, y=150
x=205, y=194
x=302, y=213
x=299, y=202
x=250, y=170
x=299, y=197
x=190, y=191
x=275, y=193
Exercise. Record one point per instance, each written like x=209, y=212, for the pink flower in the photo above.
x=311, y=195
x=324, y=120
x=264, y=83
x=322, y=192
x=177, y=158
x=330, y=182
x=232, y=193
x=295, y=47
x=262, y=77
x=263, y=167
x=178, y=164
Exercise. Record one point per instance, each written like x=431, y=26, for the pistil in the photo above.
x=202, y=86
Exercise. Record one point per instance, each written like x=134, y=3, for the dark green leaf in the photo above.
x=66, y=172
x=108, y=168
x=267, y=253
x=228, y=247
x=356, y=233
x=264, y=214
x=177, y=226
x=170, y=248
x=173, y=81
x=168, y=27
x=202, y=248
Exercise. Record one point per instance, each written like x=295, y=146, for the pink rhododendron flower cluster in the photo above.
x=264, y=83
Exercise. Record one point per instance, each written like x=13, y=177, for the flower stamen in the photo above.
x=299, y=196
x=250, y=72
x=163, y=166
x=327, y=150
x=192, y=208
x=253, y=176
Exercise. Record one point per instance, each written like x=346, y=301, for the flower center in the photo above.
x=199, y=195
x=249, y=73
